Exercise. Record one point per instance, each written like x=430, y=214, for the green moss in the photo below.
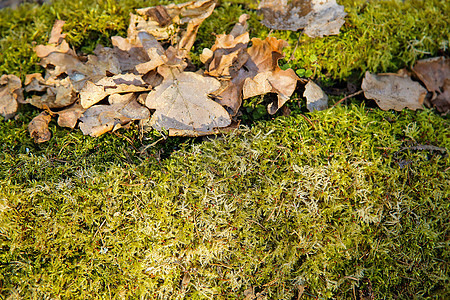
x=336, y=201
x=378, y=36
x=330, y=207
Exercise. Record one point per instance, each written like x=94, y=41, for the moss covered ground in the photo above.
x=346, y=203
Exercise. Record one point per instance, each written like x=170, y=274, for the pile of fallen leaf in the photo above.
x=147, y=75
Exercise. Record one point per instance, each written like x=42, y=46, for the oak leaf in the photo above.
x=435, y=74
x=226, y=60
x=166, y=22
x=10, y=95
x=99, y=119
x=181, y=102
x=95, y=92
x=38, y=128
x=393, y=91
x=316, y=17
x=269, y=78
x=69, y=116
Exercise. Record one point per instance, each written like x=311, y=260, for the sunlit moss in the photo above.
x=336, y=201
x=332, y=207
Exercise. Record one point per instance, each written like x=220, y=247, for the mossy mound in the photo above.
x=378, y=36
x=348, y=201
x=338, y=206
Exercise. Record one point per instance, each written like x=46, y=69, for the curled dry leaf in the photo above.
x=393, y=91
x=435, y=74
x=69, y=116
x=56, y=42
x=56, y=35
x=245, y=73
x=225, y=60
x=165, y=22
x=38, y=128
x=10, y=95
x=126, y=83
x=264, y=56
x=228, y=54
x=181, y=102
x=100, y=119
x=316, y=17
x=59, y=94
x=316, y=99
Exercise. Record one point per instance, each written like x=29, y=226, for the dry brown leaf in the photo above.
x=193, y=15
x=57, y=95
x=442, y=101
x=38, y=128
x=56, y=35
x=126, y=83
x=45, y=50
x=165, y=22
x=250, y=72
x=121, y=98
x=100, y=119
x=316, y=99
x=393, y=91
x=10, y=95
x=316, y=17
x=157, y=55
x=68, y=117
x=228, y=54
x=435, y=74
x=35, y=83
x=181, y=102
x=264, y=56
x=56, y=42
x=57, y=63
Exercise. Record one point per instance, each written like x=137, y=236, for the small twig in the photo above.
x=349, y=96
x=273, y=210
x=152, y=144
x=264, y=228
x=309, y=121
x=293, y=52
x=99, y=228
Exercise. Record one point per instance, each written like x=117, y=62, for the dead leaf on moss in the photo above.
x=165, y=22
x=56, y=35
x=393, y=91
x=245, y=73
x=442, y=101
x=193, y=14
x=225, y=60
x=56, y=42
x=181, y=102
x=69, y=116
x=10, y=95
x=228, y=54
x=264, y=56
x=99, y=119
x=316, y=99
x=38, y=128
x=126, y=83
x=316, y=17
x=57, y=95
x=435, y=74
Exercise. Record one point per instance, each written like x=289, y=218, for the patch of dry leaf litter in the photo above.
x=398, y=91
x=316, y=17
x=143, y=76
